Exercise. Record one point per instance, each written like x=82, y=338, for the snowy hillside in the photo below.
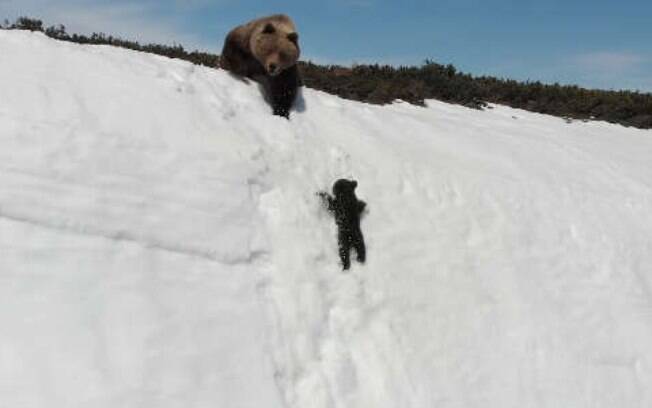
x=161, y=246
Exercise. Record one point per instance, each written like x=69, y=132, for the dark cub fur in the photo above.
x=347, y=209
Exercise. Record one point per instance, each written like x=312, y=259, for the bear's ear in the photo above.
x=269, y=29
x=294, y=37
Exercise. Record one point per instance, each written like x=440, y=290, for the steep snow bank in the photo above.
x=161, y=245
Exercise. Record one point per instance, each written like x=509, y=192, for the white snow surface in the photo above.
x=161, y=245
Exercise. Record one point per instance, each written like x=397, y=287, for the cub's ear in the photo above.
x=269, y=29
x=294, y=37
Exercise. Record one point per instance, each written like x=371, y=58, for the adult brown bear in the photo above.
x=266, y=50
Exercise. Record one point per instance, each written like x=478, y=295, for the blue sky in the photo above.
x=598, y=44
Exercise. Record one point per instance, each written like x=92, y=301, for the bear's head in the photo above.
x=344, y=187
x=275, y=44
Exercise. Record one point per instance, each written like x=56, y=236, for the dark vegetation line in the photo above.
x=381, y=84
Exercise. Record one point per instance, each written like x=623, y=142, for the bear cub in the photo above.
x=347, y=210
x=266, y=50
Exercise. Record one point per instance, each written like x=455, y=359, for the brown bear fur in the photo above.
x=266, y=50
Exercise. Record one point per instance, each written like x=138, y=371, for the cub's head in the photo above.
x=275, y=44
x=344, y=187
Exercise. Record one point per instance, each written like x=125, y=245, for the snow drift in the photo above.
x=161, y=246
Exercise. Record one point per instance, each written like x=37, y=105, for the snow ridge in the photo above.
x=162, y=245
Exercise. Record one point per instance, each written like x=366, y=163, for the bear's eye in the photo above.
x=269, y=29
x=294, y=37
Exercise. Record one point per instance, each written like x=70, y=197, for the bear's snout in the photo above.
x=272, y=69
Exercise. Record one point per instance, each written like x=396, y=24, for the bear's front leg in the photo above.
x=283, y=91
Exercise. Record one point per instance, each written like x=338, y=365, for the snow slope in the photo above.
x=161, y=246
